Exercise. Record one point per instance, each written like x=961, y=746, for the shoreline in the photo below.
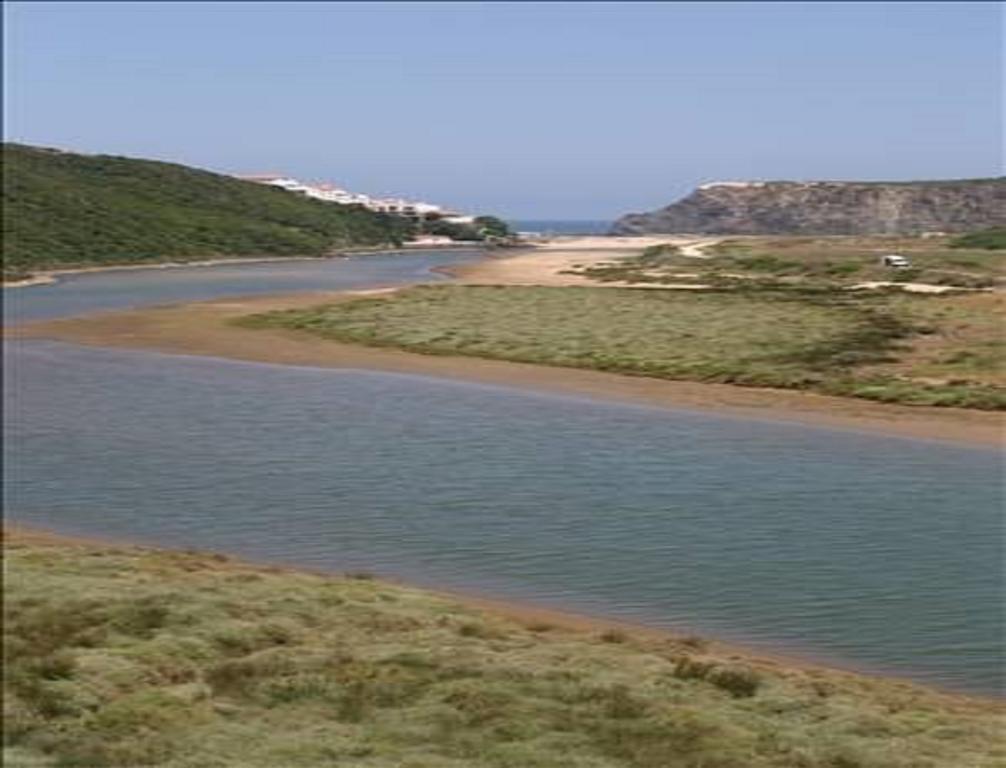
x=205, y=329
x=51, y=276
x=531, y=614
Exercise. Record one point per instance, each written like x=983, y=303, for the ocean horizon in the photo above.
x=562, y=226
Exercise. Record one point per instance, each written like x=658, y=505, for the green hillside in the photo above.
x=64, y=209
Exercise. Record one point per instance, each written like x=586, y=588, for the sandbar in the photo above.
x=206, y=328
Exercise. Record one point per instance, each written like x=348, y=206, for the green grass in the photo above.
x=776, y=336
x=828, y=262
x=117, y=656
x=986, y=239
x=63, y=209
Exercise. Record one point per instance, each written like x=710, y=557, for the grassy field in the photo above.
x=887, y=346
x=835, y=262
x=989, y=239
x=119, y=656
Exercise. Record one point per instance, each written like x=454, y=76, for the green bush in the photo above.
x=987, y=239
x=771, y=264
x=842, y=270
x=689, y=668
x=655, y=254
x=740, y=681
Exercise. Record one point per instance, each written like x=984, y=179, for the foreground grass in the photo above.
x=135, y=657
x=826, y=340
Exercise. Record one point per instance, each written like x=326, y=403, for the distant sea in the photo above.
x=562, y=226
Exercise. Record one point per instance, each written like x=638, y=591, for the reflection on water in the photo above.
x=881, y=552
x=82, y=293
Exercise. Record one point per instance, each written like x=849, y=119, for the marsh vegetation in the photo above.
x=887, y=346
x=118, y=656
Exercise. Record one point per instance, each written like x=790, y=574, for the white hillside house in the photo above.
x=331, y=194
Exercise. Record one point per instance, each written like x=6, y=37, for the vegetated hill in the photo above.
x=828, y=208
x=66, y=209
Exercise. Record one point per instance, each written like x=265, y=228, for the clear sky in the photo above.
x=528, y=110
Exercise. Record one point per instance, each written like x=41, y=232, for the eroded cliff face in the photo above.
x=828, y=208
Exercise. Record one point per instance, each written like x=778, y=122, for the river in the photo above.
x=876, y=553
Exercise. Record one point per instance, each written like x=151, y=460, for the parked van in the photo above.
x=894, y=261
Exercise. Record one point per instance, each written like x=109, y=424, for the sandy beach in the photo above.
x=549, y=262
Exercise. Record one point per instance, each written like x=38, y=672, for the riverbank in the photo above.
x=50, y=276
x=207, y=328
x=126, y=655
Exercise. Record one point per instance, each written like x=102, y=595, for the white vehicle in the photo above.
x=895, y=261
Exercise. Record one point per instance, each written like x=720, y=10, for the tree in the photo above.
x=491, y=226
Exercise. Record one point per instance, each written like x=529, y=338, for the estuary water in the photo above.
x=883, y=554
x=562, y=226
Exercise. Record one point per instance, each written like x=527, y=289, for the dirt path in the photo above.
x=696, y=250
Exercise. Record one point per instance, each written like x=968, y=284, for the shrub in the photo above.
x=906, y=275
x=614, y=636
x=656, y=254
x=473, y=629
x=620, y=703
x=540, y=626
x=694, y=641
x=738, y=680
x=771, y=264
x=360, y=575
x=478, y=705
x=989, y=239
x=141, y=618
x=688, y=668
x=843, y=269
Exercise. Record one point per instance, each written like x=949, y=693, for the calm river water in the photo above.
x=877, y=553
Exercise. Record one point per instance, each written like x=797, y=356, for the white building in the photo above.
x=332, y=194
x=431, y=240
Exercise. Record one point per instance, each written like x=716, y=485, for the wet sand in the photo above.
x=204, y=328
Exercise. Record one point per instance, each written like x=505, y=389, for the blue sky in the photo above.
x=529, y=110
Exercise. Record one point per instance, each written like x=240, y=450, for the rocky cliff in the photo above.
x=828, y=208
